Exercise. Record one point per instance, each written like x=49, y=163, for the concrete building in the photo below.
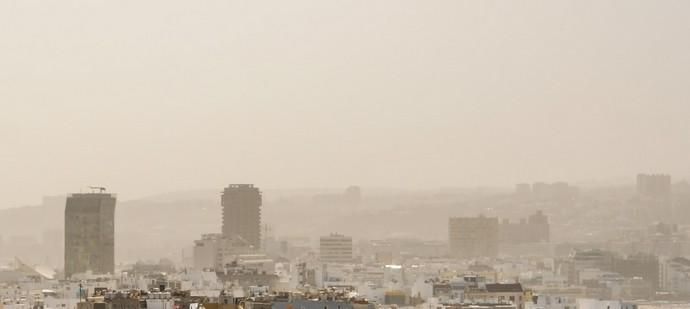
x=497, y=293
x=557, y=191
x=242, y=213
x=206, y=251
x=215, y=251
x=473, y=237
x=335, y=248
x=90, y=233
x=531, y=230
x=655, y=185
x=641, y=266
x=675, y=276
x=654, y=200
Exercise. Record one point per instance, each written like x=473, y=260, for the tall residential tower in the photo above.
x=90, y=233
x=242, y=213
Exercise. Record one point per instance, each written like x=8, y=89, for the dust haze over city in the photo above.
x=355, y=154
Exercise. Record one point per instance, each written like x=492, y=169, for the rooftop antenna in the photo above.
x=100, y=189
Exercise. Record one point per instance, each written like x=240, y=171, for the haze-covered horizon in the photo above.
x=163, y=96
x=276, y=193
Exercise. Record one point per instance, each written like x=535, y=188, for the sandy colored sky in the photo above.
x=163, y=95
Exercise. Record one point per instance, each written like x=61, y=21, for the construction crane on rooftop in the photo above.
x=100, y=189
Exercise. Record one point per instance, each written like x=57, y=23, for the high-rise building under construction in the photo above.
x=242, y=213
x=90, y=233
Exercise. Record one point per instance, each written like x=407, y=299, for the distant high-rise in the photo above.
x=656, y=185
x=335, y=248
x=90, y=233
x=539, y=226
x=557, y=192
x=242, y=213
x=353, y=194
x=523, y=190
x=534, y=229
x=473, y=237
x=654, y=197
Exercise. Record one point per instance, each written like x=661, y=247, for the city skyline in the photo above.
x=310, y=154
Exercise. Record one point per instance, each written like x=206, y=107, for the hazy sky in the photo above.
x=162, y=95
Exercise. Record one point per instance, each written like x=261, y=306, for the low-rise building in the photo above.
x=506, y=293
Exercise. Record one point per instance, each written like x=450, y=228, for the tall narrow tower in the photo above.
x=242, y=213
x=90, y=233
